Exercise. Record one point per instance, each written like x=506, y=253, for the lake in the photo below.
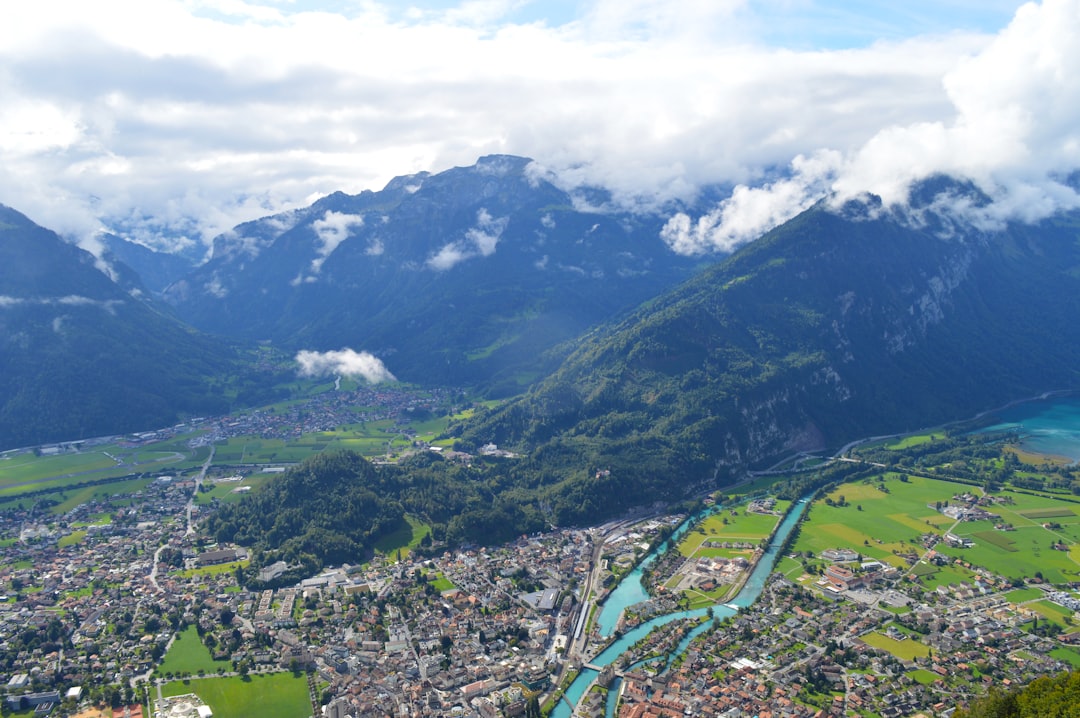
x=1046, y=426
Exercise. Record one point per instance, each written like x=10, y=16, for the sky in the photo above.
x=174, y=120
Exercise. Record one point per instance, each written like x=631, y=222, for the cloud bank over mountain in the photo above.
x=1014, y=132
x=174, y=120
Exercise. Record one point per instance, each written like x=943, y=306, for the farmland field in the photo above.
x=883, y=517
x=735, y=525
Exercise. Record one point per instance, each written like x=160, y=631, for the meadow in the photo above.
x=188, y=655
x=882, y=517
x=876, y=517
x=735, y=525
x=906, y=650
x=274, y=695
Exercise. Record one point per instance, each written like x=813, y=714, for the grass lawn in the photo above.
x=441, y=583
x=75, y=537
x=225, y=491
x=404, y=539
x=893, y=519
x=188, y=655
x=1022, y=595
x=788, y=566
x=914, y=440
x=1053, y=613
x=210, y=570
x=888, y=518
x=1068, y=655
x=904, y=650
x=923, y=676
x=71, y=498
x=277, y=695
x=730, y=525
x=942, y=575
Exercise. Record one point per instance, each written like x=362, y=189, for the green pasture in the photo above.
x=942, y=575
x=735, y=524
x=1053, y=613
x=369, y=438
x=28, y=468
x=225, y=491
x=69, y=498
x=188, y=655
x=790, y=567
x=441, y=583
x=1067, y=655
x=1022, y=595
x=404, y=539
x=923, y=676
x=885, y=522
x=275, y=695
x=210, y=570
x=914, y=440
x=894, y=520
x=72, y=539
x=1014, y=554
x=906, y=650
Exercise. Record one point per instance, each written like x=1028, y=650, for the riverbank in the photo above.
x=751, y=589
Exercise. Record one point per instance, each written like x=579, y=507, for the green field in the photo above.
x=909, y=441
x=1021, y=552
x=188, y=655
x=904, y=650
x=923, y=676
x=878, y=524
x=405, y=539
x=1068, y=655
x=225, y=491
x=887, y=521
x=276, y=695
x=70, y=498
x=734, y=524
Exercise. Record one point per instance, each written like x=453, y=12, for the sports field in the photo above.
x=275, y=695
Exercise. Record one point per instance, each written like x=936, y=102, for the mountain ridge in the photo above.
x=83, y=355
x=826, y=329
x=470, y=276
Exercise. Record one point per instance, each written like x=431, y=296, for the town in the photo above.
x=98, y=596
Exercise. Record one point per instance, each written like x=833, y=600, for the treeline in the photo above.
x=1056, y=697
x=335, y=507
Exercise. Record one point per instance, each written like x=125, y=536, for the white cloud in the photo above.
x=70, y=300
x=479, y=241
x=344, y=362
x=1013, y=130
x=332, y=230
x=146, y=115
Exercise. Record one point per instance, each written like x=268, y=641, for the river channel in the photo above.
x=634, y=593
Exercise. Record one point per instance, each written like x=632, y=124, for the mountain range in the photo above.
x=468, y=277
x=639, y=374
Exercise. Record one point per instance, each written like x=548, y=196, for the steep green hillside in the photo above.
x=82, y=357
x=829, y=328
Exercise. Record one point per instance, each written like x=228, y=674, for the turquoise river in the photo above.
x=1046, y=426
x=630, y=591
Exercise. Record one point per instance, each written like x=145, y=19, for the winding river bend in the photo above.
x=746, y=596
